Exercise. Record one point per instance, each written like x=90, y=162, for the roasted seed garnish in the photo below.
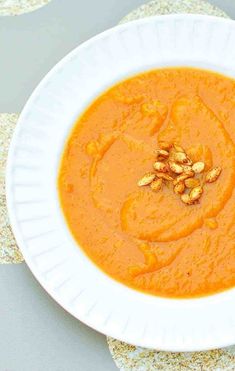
x=189, y=161
x=192, y=182
x=196, y=193
x=198, y=167
x=162, y=153
x=213, y=174
x=179, y=188
x=185, y=198
x=156, y=185
x=186, y=167
x=180, y=157
x=183, y=176
x=177, y=169
x=146, y=179
x=174, y=165
x=164, y=176
x=161, y=166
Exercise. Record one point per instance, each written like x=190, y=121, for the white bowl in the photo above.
x=36, y=218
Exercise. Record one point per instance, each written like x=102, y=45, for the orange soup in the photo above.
x=123, y=194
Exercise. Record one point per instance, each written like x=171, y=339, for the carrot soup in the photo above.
x=146, y=182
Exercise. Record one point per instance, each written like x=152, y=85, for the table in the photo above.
x=36, y=334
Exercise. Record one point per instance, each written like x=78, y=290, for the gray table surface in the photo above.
x=35, y=333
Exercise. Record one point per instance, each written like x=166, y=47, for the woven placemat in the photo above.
x=9, y=252
x=17, y=7
x=131, y=358
x=163, y=7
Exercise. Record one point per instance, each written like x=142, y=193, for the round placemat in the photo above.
x=17, y=7
x=162, y=7
x=9, y=252
x=131, y=358
x=128, y=357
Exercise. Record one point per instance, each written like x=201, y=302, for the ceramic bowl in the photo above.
x=35, y=214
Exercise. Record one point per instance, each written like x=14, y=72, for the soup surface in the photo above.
x=151, y=240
